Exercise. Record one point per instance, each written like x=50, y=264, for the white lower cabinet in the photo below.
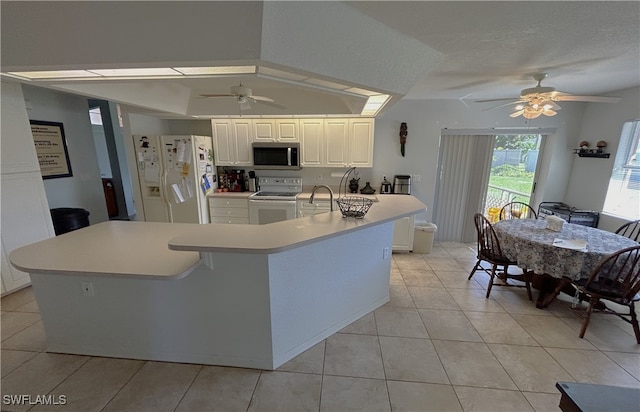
x=403, y=232
x=225, y=210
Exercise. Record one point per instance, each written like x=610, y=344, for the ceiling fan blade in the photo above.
x=217, y=95
x=262, y=98
x=597, y=99
x=505, y=104
x=497, y=100
x=268, y=103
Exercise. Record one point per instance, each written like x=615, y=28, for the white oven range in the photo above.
x=276, y=200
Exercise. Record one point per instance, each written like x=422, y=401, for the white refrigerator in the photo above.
x=175, y=174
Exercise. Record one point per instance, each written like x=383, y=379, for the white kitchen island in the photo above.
x=236, y=295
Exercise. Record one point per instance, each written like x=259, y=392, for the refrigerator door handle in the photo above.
x=164, y=196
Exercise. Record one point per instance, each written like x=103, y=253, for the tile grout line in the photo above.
x=189, y=387
x=124, y=385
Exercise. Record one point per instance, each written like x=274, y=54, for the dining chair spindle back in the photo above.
x=615, y=279
x=517, y=210
x=489, y=251
x=630, y=230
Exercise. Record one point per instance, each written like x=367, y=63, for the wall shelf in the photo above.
x=591, y=153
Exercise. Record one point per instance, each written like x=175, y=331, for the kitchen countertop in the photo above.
x=116, y=248
x=321, y=194
x=293, y=233
x=170, y=250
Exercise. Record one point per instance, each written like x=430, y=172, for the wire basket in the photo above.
x=354, y=206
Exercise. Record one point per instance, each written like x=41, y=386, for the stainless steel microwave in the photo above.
x=276, y=155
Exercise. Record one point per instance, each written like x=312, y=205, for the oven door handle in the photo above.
x=272, y=202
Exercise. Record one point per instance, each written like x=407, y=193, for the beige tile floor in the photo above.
x=438, y=345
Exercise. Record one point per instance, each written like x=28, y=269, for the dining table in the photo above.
x=566, y=255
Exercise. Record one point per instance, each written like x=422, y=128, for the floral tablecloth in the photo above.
x=530, y=243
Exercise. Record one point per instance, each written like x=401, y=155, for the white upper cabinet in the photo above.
x=311, y=142
x=287, y=130
x=336, y=132
x=276, y=130
x=243, y=129
x=232, y=142
x=324, y=142
x=361, y=142
x=264, y=130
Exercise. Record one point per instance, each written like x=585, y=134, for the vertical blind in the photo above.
x=464, y=167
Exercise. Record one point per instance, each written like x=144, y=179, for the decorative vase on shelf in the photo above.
x=353, y=185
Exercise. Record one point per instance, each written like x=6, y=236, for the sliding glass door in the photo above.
x=479, y=170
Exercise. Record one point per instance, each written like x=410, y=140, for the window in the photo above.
x=623, y=196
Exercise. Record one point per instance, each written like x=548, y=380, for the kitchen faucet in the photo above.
x=313, y=194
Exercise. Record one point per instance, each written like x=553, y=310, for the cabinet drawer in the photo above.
x=229, y=212
x=216, y=202
x=231, y=220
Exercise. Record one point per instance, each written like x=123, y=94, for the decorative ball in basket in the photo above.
x=352, y=206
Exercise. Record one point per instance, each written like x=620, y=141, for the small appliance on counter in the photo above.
x=385, y=187
x=252, y=182
x=402, y=185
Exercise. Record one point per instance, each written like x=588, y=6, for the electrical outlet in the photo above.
x=87, y=288
x=385, y=253
x=416, y=178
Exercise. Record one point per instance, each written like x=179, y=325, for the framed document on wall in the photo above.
x=51, y=148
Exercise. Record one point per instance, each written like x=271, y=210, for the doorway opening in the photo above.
x=109, y=144
x=513, y=169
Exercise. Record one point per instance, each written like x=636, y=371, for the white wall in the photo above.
x=84, y=188
x=25, y=210
x=589, y=177
x=426, y=118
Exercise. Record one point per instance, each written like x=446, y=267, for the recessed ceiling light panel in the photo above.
x=194, y=71
x=151, y=71
x=53, y=74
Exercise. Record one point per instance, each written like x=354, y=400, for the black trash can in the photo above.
x=66, y=219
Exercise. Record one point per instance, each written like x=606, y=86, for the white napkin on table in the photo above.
x=574, y=244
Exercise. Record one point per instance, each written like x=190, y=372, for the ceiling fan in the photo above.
x=538, y=100
x=244, y=97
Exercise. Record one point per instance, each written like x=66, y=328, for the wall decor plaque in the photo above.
x=51, y=148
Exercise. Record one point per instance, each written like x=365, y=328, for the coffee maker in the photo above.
x=385, y=187
x=236, y=180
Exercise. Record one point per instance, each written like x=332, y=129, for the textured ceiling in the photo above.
x=414, y=50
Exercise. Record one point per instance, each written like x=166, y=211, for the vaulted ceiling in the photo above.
x=326, y=57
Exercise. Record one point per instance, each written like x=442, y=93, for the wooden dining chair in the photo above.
x=630, y=230
x=489, y=251
x=517, y=210
x=615, y=279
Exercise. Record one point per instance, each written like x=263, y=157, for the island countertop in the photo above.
x=288, y=234
x=170, y=250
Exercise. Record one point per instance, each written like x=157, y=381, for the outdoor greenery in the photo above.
x=525, y=142
x=511, y=171
x=511, y=177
